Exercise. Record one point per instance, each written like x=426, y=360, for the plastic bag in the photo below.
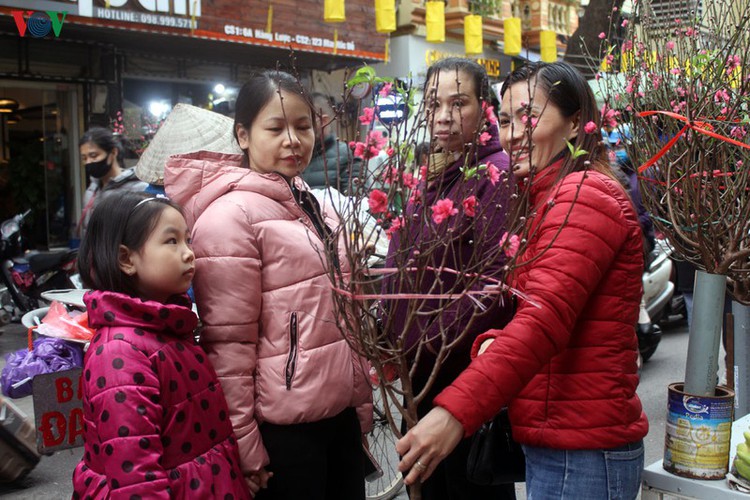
x=48, y=355
x=60, y=323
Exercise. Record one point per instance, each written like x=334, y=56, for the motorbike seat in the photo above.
x=44, y=261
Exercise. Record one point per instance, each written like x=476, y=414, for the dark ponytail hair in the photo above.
x=104, y=139
x=122, y=218
x=569, y=91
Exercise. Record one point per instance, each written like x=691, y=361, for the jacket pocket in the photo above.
x=291, y=362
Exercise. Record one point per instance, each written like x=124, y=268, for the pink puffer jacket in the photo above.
x=265, y=300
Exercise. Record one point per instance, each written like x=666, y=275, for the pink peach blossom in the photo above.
x=396, y=224
x=378, y=201
x=443, y=209
x=470, y=205
x=410, y=181
x=590, y=128
x=513, y=243
x=367, y=116
x=489, y=113
x=493, y=173
x=483, y=138
x=602, y=36
x=386, y=89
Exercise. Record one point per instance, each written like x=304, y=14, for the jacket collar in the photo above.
x=121, y=310
x=543, y=180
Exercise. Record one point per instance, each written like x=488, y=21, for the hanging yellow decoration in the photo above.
x=473, y=43
x=385, y=16
x=335, y=41
x=512, y=36
x=269, y=19
x=434, y=20
x=193, y=22
x=387, y=50
x=548, y=45
x=334, y=11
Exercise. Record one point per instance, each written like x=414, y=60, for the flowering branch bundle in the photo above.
x=685, y=85
x=451, y=257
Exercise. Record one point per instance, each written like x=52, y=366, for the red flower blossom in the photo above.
x=493, y=173
x=378, y=201
x=367, y=116
x=511, y=247
x=470, y=205
x=396, y=224
x=443, y=209
x=410, y=181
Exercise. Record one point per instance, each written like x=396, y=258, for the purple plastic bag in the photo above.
x=49, y=355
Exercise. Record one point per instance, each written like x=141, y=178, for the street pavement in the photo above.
x=51, y=479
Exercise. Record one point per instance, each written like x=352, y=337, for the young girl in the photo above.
x=295, y=387
x=155, y=419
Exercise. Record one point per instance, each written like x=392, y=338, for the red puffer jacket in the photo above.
x=567, y=369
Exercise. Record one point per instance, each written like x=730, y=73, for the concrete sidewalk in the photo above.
x=51, y=479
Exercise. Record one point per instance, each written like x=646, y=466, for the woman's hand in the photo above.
x=484, y=346
x=257, y=480
x=429, y=442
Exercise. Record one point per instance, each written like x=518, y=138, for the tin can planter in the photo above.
x=699, y=430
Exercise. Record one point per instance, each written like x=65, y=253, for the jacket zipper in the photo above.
x=291, y=363
x=327, y=241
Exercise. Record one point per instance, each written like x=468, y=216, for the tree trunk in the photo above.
x=585, y=49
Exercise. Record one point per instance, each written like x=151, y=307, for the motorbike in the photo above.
x=25, y=276
x=658, y=290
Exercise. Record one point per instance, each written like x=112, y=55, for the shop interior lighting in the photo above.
x=8, y=105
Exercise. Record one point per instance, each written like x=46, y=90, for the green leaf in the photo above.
x=575, y=152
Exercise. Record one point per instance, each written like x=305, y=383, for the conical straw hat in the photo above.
x=185, y=130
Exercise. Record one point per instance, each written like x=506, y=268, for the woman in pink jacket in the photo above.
x=298, y=395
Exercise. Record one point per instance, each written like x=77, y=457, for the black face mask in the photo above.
x=98, y=169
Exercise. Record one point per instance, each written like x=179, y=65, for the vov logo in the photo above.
x=37, y=23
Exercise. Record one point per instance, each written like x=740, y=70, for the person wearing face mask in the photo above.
x=102, y=157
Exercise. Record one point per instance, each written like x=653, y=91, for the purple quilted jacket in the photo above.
x=460, y=240
x=156, y=424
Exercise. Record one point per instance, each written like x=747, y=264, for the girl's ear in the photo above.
x=243, y=136
x=125, y=260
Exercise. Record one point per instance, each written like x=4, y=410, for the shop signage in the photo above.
x=38, y=24
x=58, y=410
x=177, y=7
x=286, y=26
x=492, y=66
x=154, y=12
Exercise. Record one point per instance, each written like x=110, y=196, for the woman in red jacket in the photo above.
x=566, y=369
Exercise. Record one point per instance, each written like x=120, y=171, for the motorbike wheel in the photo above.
x=648, y=353
x=21, y=301
x=648, y=340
